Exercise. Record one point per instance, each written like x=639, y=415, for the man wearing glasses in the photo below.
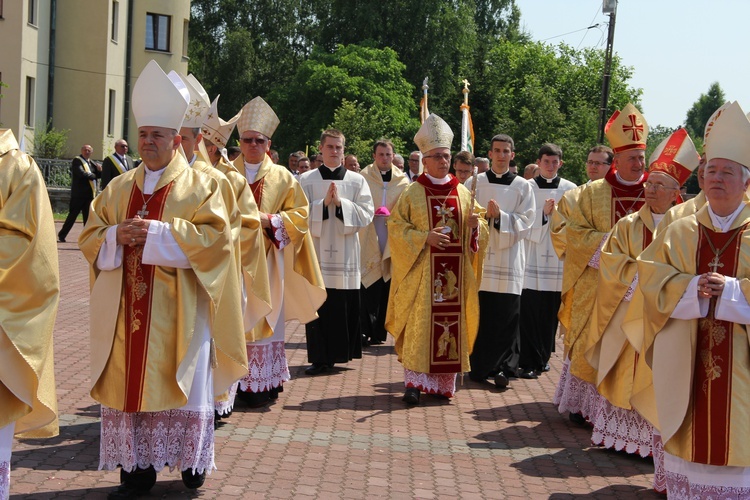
x=600, y=205
x=413, y=171
x=116, y=163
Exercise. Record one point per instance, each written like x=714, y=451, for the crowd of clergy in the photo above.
x=198, y=261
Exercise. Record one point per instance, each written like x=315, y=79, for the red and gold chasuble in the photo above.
x=446, y=266
x=138, y=282
x=712, y=379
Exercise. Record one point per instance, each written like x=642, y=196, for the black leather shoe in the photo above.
x=527, y=374
x=61, y=240
x=316, y=369
x=546, y=368
x=411, y=396
x=274, y=393
x=125, y=492
x=191, y=480
x=134, y=484
x=578, y=419
x=254, y=399
x=477, y=378
x=501, y=381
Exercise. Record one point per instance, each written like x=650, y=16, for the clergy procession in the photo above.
x=198, y=262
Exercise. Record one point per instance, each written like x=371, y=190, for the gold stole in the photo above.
x=119, y=166
x=712, y=382
x=138, y=283
x=446, y=266
x=87, y=169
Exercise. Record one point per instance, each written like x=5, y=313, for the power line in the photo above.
x=596, y=13
x=570, y=32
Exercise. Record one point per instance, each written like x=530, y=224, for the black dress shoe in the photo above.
x=411, y=396
x=191, y=480
x=274, y=393
x=134, y=484
x=254, y=399
x=61, y=240
x=125, y=492
x=527, y=374
x=578, y=419
x=477, y=378
x=501, y=381
x=546, y=368
x=316, y=369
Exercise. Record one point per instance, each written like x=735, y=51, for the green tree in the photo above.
x=703, y=108
x=362, y=129
x=49, y=142
x=369, y=79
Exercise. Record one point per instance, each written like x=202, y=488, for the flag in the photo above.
x=467, y=129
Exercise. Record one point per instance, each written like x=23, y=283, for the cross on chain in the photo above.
x=715, y=264
x=331, y=251
x=142, y=213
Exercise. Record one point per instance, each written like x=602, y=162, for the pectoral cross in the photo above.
x=142, y=213
x=715, y=264
x=331, y=251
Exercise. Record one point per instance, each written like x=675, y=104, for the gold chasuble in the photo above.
x=608, y=349
x=433, y=307
x=600, y=205
x=29, y=293
x=277, y=192
x=143, y=317
x=701, y=377
x=558, y=235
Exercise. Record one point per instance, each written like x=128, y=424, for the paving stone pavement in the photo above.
x=342, y=435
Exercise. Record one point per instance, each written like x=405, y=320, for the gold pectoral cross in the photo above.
x=142, y=213
x=715, y=264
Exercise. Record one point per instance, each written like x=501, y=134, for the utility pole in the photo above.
x=608, y=7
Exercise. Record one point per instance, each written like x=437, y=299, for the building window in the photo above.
x=30, y=91
x=32, y=12
x=111, y=114
x=157, y=32
x=115, y=19
x=185, y=38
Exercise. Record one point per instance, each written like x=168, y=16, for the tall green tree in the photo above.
x=702, y=109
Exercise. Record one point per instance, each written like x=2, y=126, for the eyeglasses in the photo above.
x=592, y=163
x=413, y=160
x=445, y=157
x=253, y=140
x=657, y=187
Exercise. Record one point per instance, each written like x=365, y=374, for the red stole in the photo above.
x=446, y=272
x=625, y=199
x=139, y=280
x=712, y=373
x=257, y=188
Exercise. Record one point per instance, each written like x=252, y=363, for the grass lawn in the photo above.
x=61, y=216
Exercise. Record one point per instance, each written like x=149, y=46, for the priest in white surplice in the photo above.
x=340, y=205
x=510, y=211
x=540, y=299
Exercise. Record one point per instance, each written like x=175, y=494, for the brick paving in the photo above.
x=342, y=435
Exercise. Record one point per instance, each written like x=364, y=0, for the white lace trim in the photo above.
x=575, y=395
x=267, y=367
x=594, y=261
x=660, y=475
x=679, y=487
x=4, y=480
x=279, y=231
x=173, y=438
x=622, y=429
x=226, y=407
x=431, y=383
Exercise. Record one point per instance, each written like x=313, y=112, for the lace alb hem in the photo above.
x=225, y=407
x=174, y=438
x=660, y=475
x=679, y=487
x=4, y=480
x=622, y=429
x=575, y=395
x=280, y=236
x=431, y=383
x=267, y=367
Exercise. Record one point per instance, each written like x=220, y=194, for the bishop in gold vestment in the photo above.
x=29, y=292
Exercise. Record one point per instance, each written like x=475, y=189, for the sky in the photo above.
x=677, y=48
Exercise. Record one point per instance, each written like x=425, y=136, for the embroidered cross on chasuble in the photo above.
x=138, y=286
x=446, y=266
x=712, y=382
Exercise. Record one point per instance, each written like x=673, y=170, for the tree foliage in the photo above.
x=702, y=109
x=49, y=142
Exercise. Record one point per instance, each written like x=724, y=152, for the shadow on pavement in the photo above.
x=615, y=491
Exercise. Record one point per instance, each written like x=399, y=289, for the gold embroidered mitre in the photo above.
x=199, y=103
x=676, y=156
x=434, y=133
x=627, y=129
x=730, y=136
x=215, y=129
x=258, y=116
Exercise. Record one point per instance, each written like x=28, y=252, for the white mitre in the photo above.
x=215, y=129
x=199, y=102
x=434, y=133
x=159, y=101
x=729, y=138
x=258, y=116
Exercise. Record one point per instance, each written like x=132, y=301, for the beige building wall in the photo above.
x=24, y=55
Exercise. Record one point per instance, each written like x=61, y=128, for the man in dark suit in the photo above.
x=117, y=163
x=83, y=173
